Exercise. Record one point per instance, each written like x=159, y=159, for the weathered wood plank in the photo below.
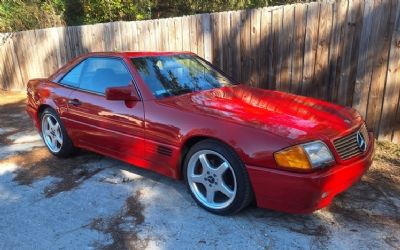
x=206, y=30
x=140, y=35
x=310, y=47
x=199, y=36
x=277, y=16
x=298, y=50
x=226, y=43
x=171, y=35
x=178, y=34
x=287, y=47
x=245, y=45
x=217, y=39
x=193, y=34
x=322, y=59
x=3, y=73
x=135, y=37
x=270, y=53
x=164, y=34
x=255, y=38
x=235, y=36
x=390, y=126
x=185, y=33
x=337, y=46
x=152, y=35
x=347, y=66
x=6, y=80
x=364, y=64
x=379, y=68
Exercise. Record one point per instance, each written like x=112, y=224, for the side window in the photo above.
x=73, y=76
x=101, y=73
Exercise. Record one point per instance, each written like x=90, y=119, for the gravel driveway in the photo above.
x=94, y=202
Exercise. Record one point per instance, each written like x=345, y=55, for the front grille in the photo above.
x=347, y=146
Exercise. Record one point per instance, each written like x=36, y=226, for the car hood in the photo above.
x=287, y=115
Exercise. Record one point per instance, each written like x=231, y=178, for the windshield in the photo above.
x=178, y=74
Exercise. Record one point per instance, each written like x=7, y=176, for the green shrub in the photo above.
x=16, y=15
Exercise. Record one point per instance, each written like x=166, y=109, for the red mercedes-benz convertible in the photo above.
x=176, y=114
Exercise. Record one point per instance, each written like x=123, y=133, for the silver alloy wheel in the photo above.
x=51, y=132
x=211, y=179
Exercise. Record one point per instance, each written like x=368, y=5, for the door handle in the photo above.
x=74, y=102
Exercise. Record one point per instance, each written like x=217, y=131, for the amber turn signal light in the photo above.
x=294, y=158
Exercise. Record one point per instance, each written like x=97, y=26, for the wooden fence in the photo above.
x=347, y=52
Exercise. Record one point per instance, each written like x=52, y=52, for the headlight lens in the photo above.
x=305, y=156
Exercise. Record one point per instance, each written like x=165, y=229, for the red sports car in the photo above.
x=178, y=115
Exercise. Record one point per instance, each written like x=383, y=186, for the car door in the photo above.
x=111, y=127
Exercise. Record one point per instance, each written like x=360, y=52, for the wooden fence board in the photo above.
x=152, y=34
x=392, y=90
x=185, y=33
x=310, y=47
x=255, y=42
x=322, y=59
x=277, y=37
x=178, y=34
x=235, y=39
x=379, y=67
x=245, y=45
x=5, y=67
x=164, y=34
x=193, y=34
x=199, y=36
x=226, y=43
x=270, y=53
x=347, y=64
x=140, y=33
x=337, y=46
x=363, y=77
x=206, y=30
x=217, y=38
x=287, y=35
x=265, y=35
x=3, y=73
x=298, y=50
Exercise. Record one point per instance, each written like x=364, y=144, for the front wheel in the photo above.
x=54, y=134
x=216, y=178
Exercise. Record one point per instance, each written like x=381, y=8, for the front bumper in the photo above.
x=306, y=192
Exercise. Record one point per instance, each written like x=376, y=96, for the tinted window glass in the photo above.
x=101, y=73
x=73, y=76
x=179, y=74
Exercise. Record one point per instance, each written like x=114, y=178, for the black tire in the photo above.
x=67, y=148
x=244, y=193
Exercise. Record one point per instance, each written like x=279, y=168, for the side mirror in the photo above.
x=123, y=93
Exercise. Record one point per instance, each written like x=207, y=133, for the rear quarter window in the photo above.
x=72, y=78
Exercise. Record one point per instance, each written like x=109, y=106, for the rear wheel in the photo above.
x=54, y=134
x=216, y=178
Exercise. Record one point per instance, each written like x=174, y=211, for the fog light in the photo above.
x=324, y=195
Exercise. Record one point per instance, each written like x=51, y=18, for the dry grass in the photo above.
x=9, y=97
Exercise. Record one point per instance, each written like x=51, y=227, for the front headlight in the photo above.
x=305, y=156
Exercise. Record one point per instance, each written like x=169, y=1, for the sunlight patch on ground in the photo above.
x=6, y=130
x=9, y=97
x=130, y=175
x=7, y=167
x=15, y=148
x=8, y=197
x=25, y=137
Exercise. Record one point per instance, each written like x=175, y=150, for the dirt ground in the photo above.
x=94, y=202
